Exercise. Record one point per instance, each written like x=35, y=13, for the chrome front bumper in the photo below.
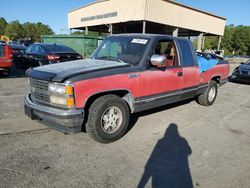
x=68, y=121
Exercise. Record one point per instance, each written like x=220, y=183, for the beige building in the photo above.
x=146, y=16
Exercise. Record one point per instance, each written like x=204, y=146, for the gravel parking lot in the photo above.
x=184, y=144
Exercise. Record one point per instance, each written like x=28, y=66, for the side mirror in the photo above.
x=158, y=60
x=242, y=63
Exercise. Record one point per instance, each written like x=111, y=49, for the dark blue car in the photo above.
x=242, y=72
x=39, y=54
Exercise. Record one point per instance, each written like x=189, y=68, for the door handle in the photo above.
x=133, y=75
x=180, y=74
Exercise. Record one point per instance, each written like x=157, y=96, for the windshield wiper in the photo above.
x=110, y=58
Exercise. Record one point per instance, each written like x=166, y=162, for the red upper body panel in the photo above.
x=147, y=83
x=86, y=88
x=220, y=70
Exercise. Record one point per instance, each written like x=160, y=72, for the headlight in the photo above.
x=65, y=101
x=56, y=88
x=61, y=94
x=61, y=89
x=58, y=100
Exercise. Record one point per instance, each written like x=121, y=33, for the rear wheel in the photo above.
x=210, y=94
x=108, y=119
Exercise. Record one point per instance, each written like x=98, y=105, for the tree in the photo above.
x=227, y=40
x=90, y=33
x=41, y=29
x=78, y=33
x=29, y=30
x=3, y=25
x=211, y=42
x=34, y=31
x=241, y=40
x=14, y=30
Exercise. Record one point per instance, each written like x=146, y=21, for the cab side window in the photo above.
x=167, y=48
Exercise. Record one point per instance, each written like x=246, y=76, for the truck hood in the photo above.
x=60, y=71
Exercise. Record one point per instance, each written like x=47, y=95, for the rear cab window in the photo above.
x=187, y=55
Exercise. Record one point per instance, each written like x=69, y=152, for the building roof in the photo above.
x=174, y=2
x=165, y=12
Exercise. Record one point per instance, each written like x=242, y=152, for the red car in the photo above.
x=127, y=73
x=5, y=58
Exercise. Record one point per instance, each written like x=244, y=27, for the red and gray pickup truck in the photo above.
x=127, y=73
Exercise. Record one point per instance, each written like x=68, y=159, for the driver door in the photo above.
x=162, y=84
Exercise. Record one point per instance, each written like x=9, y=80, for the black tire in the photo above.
x=208, y=97
x=100, y=129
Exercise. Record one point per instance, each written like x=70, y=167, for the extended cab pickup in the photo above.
x=127, y=73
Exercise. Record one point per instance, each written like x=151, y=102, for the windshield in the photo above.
x=248, y=62
x=126, y=49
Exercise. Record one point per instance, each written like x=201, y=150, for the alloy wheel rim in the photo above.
x=111, y=120
x=211, y=94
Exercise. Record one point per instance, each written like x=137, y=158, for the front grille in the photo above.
x=39, y=90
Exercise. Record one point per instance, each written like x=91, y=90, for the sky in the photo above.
x=54, y=12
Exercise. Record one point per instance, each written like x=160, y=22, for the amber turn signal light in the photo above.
x=68, y=90
x=70, y=102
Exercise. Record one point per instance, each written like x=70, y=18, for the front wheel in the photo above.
x=210, y=94
x=108, y=119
